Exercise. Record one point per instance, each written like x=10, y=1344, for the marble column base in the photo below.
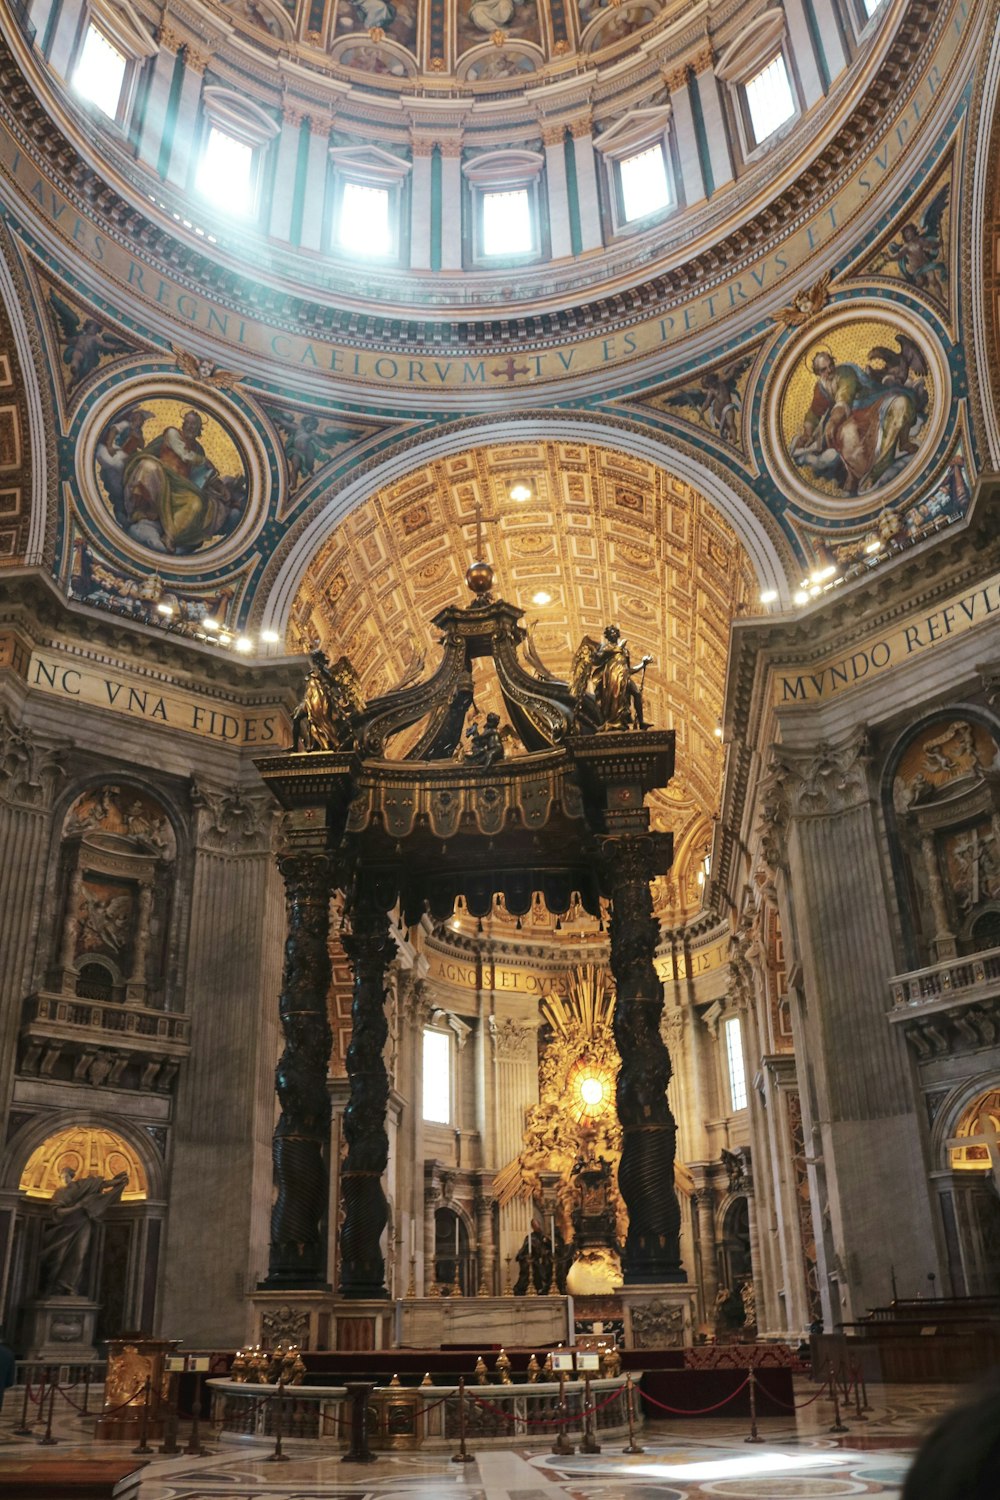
x=60, y=1330
x=658, y=1317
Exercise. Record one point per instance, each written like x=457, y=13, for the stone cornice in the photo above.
x=42, y=616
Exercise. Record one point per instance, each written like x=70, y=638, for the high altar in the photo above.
x=387, y=803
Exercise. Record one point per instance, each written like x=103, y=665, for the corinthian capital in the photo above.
x=829, y=779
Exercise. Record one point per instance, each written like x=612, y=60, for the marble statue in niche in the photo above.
x=74, y=1209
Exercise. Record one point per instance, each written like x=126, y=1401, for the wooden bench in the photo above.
x=84, y=1477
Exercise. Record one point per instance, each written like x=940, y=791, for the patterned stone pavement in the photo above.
x=798, y=1458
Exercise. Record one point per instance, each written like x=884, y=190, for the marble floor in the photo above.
x=798, y=1458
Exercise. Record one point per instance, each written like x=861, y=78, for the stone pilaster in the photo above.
x=679, y=84
x=857, y=1089
x=30, y=770
x=591, y=236
x=283, y=196
x=224, y=1110
x=646, y=1171
x=370, y=949
x=553, y=138
x=154, y=116
x=451, y=205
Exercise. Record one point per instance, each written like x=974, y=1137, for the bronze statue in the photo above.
x=607, y=665
x=331, y=703
x=487, y=743
x=73, y=1210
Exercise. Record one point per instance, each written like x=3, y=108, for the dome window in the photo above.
x=507, y=225
x=769, y=98
x=645, y=188
x=504, y=206
x=113, y=46
x=369, y=198
x=364, y=220
x=99, y=76
x=225, y=172
x=637, y=181
x=756, y=69
x=236, y=135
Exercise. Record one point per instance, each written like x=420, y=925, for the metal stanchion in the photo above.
x=86, y=1392
x=24, y=1430
x=838, y=1425
x=562, y=1444
x=859, y=1415
x=865, y=1403
x=588, y=1443
x=359, y=1451
x=633, y=1446
x=48, y=1440
x=194, y=1448
x=461, y=1457
x=277, y=1457
x=144, y=1419
x=755, y=1436
x=169, y=1444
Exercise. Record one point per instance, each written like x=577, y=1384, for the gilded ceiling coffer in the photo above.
x=561, y=813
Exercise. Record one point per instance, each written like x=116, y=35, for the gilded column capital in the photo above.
x=827, y=779
x=581, y=127
x=195, y=59
x=676, y=76
x=291, y=115
x=321, y=125
x=421, y=148
x=30, y=767
x=231, y=821
x=702, y=60
x=553, y=135
x=169, y=38
x=451, y=147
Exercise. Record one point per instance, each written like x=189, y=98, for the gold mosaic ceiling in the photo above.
x=610, y=538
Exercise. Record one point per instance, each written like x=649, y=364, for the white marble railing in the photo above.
x=956, y=980
x=424, y=1416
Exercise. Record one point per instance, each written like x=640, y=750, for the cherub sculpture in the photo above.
x=486, y=746
x=330, y=707
x=607, y=666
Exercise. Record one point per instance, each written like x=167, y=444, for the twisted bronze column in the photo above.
x=370, y=949
x=302, y=1135
x=646, y=1172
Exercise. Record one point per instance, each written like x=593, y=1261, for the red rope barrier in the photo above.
x=137, y=1392
x=796, y=1405
x=700, y=1411
x=551, y=1421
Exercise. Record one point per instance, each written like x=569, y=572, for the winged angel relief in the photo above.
x=606, y=667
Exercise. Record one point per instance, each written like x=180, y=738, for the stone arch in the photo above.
x=969, y=1196
x=769, y=555
x=119, y=1277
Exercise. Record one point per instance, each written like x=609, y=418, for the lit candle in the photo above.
x=552, y=1231
x=529, y=1239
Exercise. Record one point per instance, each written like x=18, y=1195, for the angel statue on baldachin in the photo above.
x=606, y=667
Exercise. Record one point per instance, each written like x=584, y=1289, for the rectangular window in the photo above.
x=734, y=1057
x=225, y=173
x=507, y=226
x=645, y=189
x=364, y=227
x=437, y=1077
x=870, y=6
x=769, y=99
x=99, y=75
